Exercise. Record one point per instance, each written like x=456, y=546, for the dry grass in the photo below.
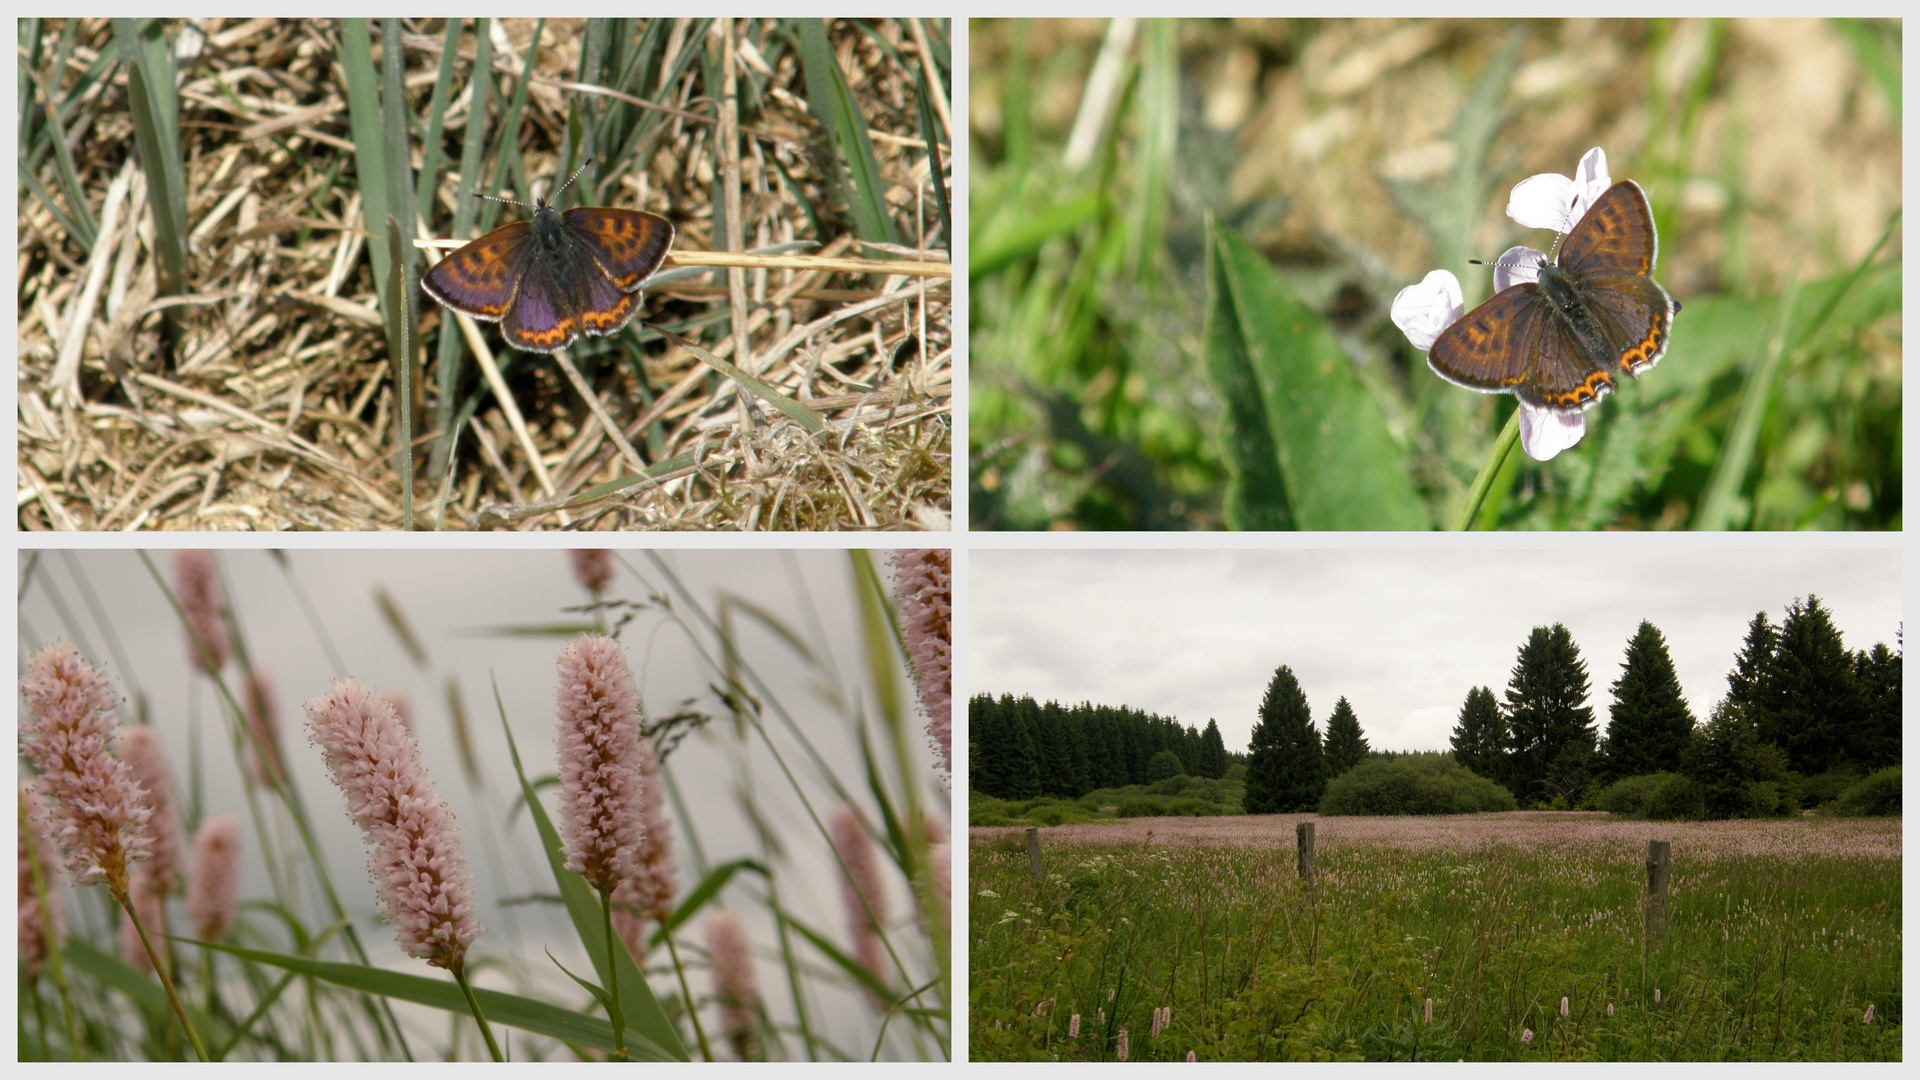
x=262, y=398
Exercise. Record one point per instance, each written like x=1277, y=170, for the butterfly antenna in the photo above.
x=584, y=162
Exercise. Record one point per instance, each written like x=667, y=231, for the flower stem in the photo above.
x=160, y=969
x=1482, y=484
x=486, y=1030
x=614, y=1016
x=686, y=995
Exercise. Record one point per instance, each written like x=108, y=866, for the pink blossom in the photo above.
x=1191, y=1058
x=263, y=719
x=213, y=885
x=417, y=864
x=96, y=809
x=733, y=981
x=592, y=568
x=1073, y=1027
x=1609, y=1008
x=1868, y=1019
x=33, y=927
x=648, y=893
x=1526, y=1035
x=860, y=887
x=160, y=874
x=923, y=579
x=1429, y=1013
x=601, y=812
x=151, y=906
x=196, y=584
x=1656, y=995
x=1563, y=1006
x=1123, y=1044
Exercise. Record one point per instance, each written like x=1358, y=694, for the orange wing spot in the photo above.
x=1591, y=390
x=563, y=332
x=601, y=323
x=1642, y=356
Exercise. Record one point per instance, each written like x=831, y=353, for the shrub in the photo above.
x=1172, y=785
x=1675, y=798
x=1829, y=785
x=1236, y=773
x=1876, y=796
x=1164, y=764
x=1413, y=784
x=1629, y=797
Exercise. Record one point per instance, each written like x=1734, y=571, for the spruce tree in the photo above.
x=1877, y=673
x=1019, y=763
x=1286, y=768
x=1747, y=682
x=1814, y=712
x=1549, y=724
x=1346, y=746
x=1213, y=752
x=1480, y=736
x=1650, y=722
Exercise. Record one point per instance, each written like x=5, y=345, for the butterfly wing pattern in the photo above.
x=482, y=278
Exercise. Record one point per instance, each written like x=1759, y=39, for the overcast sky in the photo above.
x=457, y=603
x=1402, y=634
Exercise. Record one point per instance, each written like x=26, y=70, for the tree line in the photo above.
x=1799, y=705
x=1018, y=748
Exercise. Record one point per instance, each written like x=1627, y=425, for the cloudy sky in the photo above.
x=460, y=605
x=1402, y=634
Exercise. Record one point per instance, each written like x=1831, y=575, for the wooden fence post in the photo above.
x=1033, y=852
x=1303, y=832
x=1658, y=853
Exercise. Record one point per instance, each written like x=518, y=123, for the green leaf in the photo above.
x=647, y=1023
x=839, y=116
x=760, y=388
x=709, y=886
x=1339, y=466
x=527, y=1014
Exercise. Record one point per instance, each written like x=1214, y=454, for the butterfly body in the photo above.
x=1559, y=342
x=560, y=275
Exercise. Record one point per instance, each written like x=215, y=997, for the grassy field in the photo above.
x=1525, y=931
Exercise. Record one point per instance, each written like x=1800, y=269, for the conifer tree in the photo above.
x=1814, y=704
x=1549, y=724
x=1650, y=722
x=1286, y=768
x=1346, y=746
x=1213, y=752
x=1480, y=736
x=1877, y=673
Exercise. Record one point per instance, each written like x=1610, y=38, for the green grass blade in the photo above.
x=1340, y=466
x=841, y=960
x=527, y=1014
x=399, y=320
x=156, y=131
x=930, y=134
x=369, y=141
x=646, y=1020
x=846, y=130
x=432, y=155
x=760, y=388
x=708, y=888
x=506, y=156
x=473, y=143
x=1006, y=244
x=1256, y=496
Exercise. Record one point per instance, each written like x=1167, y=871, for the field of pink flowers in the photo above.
x=1515, y=936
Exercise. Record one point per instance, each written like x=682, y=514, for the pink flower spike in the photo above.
x=1429, y=1013
x=1526, y=1035
x=733, y=981
x=1868, y=1019
x=1073, y=1027
x=1546, y=432
x=263, y=719
x=196, y=584
x=1123, y=1044
x=417, y=865
x=1656, y=995
x=923, y=579
x=601, y=816
x=1191, y=1058
x=213, y=885
x=860, y=888
x=96, y=810
x=33, y=927
x=592, y=568
x=1563, y=1006
x=160, y=874
x=1552, y=201
x=1422, y=311
x=648, y=893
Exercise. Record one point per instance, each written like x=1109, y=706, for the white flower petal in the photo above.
x=1543, y=201
x=1517, y=264
x=1422, y=311
x=1546, y=432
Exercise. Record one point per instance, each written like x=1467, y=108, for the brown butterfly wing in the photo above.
x=629, y=245
x=1615, y=237
x=1485, y=348
x=543, y=318
x=482, y=278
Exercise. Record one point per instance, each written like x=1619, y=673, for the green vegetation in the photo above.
x=1876, y=796
x=1784, y=937
x=1175, y=796
x=1413, y=784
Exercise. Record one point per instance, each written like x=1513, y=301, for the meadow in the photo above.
x=1491, y=937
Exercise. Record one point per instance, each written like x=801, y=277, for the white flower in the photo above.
x=1546, y=432
x=1422, y=311
x=1552, y=201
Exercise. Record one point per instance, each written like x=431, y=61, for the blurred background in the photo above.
x=1353, y=157
x=440, y=633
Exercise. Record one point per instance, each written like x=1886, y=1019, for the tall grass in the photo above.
x=1779, y=937
x=796, y=719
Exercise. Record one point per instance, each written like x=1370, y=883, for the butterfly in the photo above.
x=1558, y=342
x=549, y=280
